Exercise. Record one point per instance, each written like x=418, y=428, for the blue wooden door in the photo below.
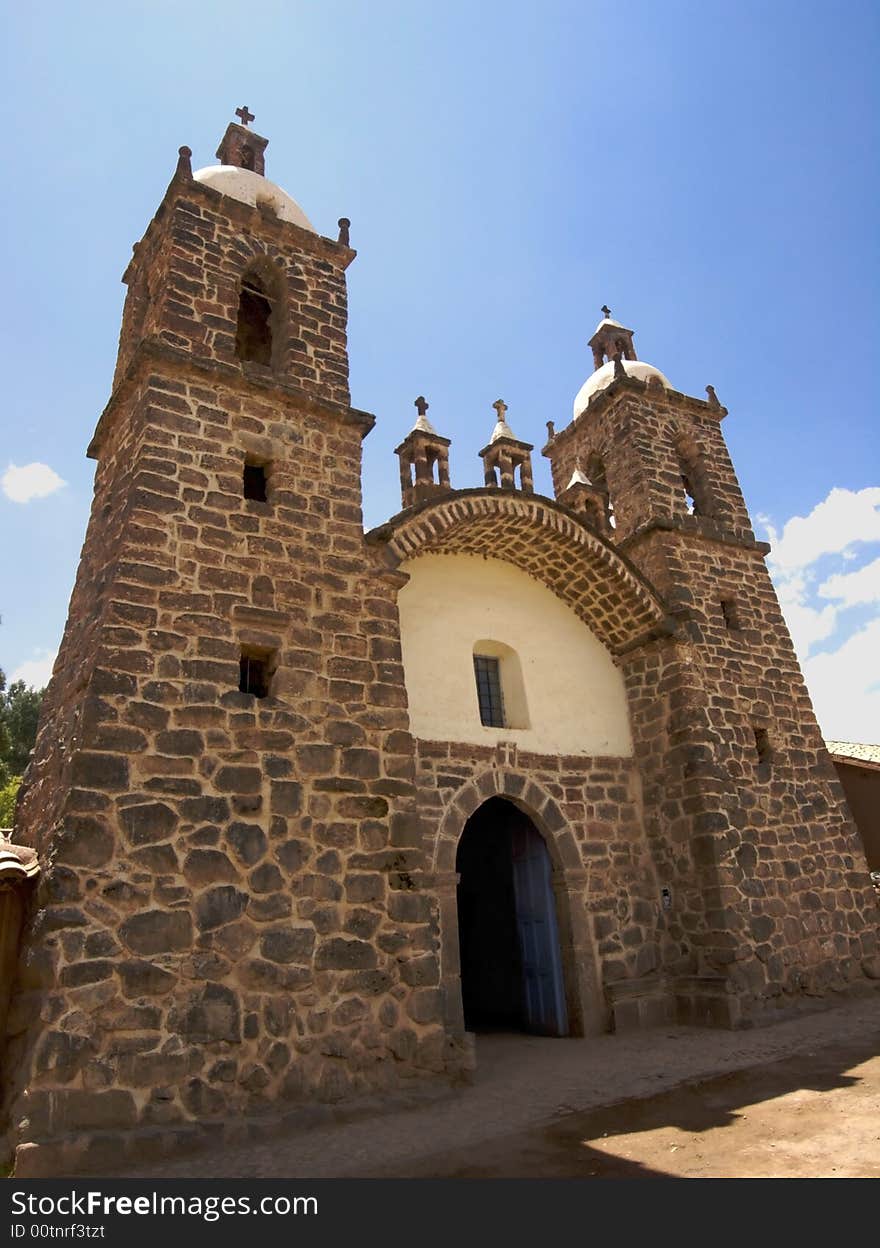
x=543, y=988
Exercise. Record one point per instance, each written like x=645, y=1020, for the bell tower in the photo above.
x=749, y=829
x=221, y=790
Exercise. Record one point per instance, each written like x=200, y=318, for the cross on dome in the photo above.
x=244, y=114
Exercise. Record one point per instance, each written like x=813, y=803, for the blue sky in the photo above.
x=707, y=168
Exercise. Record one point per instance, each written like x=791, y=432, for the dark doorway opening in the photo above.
x=511, y=964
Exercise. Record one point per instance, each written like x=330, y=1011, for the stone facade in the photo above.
x=249, y=901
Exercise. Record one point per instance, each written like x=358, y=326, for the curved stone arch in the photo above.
x=586, y=1009
x=543, y=539
x=272, y=274
x=522, y=792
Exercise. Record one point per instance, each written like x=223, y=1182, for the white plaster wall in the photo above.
x=575, y=695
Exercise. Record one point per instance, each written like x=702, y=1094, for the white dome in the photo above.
x=252, y=188
x=605, y=375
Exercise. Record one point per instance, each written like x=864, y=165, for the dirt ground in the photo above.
x=800, y=1098
x=815, y=1115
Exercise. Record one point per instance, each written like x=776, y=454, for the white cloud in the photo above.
x=845, y=687
x=21, y=484
x=853, y=588
x=844, y=517
x=844, y=682
x=35, y=672
x=806, y=624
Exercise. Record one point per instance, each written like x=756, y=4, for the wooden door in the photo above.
x=543, y=987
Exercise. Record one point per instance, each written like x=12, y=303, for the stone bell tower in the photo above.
x=221, y=791
x=766, y=886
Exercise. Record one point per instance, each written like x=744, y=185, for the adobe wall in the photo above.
x=562, y=692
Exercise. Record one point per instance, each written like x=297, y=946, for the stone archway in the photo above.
x=543, y=539
x=586, y=1010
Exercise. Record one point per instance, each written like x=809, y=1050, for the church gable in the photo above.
x=560, y=692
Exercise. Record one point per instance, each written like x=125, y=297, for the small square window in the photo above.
x=488, y=677
x=255, y=482
x=255, y=672
x=730, y=613
x=764, y=751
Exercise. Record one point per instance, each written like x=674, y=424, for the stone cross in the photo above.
x=500, y=407
x=244, y=115
x=605, y=310
x=421, y=405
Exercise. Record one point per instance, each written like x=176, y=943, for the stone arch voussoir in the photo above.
x=546, y=541
x=520, y=791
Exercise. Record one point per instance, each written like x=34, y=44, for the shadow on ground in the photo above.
x=788, y=1109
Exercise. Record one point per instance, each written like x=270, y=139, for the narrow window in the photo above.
x=488, y=677
x=730, y=613
x=255, y=481
x=255, y=672
x=697, y=497
x=597, y=475
x=689, y=496
x=253, y=337
x=763, y=751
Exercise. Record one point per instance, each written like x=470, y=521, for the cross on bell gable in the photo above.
x=611, y=339
x=424, y=459
x=242, y=147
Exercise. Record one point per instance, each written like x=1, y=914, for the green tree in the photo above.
x=19, y=713
x=8, y=794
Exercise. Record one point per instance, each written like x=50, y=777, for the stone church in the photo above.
x=309, y=806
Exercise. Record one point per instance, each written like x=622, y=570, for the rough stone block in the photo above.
x=157, y=931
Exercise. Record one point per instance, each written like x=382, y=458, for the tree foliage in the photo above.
x=8, y=794
x=19, y=712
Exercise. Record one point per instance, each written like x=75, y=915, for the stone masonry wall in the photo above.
x=184, y=280
x=770, y=894
x=640, y=433
x=223, y=921
x=589, y=811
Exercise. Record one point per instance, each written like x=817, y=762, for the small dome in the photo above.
x=605, y=375
x=252, y=188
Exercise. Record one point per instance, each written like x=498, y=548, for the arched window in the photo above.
x=596, y=473
x=253, y=335
x=501, y=695
x=697, y=496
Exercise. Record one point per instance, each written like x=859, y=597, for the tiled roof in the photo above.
x=854, y=750
x=17, y=862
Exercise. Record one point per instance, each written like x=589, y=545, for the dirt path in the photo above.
x=799, y=1097
x=813, y=1115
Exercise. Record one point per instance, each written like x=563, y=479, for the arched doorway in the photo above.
x=511, y=962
